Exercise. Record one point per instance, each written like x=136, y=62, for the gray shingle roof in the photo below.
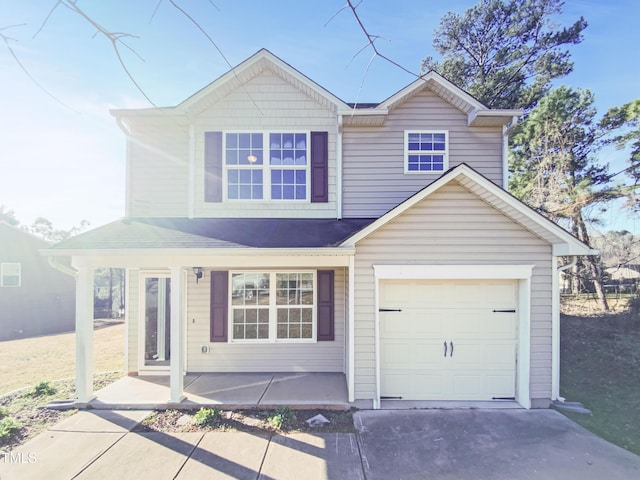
x=217, y=233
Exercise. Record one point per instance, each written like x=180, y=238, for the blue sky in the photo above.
x=67, y=163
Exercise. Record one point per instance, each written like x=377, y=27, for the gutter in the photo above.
x=555, y=328
x=62, y=268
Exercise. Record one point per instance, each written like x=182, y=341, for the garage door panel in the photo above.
x=412, y=361
x=410, y=355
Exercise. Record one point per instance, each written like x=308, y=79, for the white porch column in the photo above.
x=84, y=335
x=176, y=376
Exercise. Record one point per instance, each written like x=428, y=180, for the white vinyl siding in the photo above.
x=449, y=227
x=158, y=168
x=374, y=179
x=282, y=108
x=325, y=356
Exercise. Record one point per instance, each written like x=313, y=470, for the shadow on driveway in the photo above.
x=486, y=444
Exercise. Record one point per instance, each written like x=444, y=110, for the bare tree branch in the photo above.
x=114, y=37
x=372, y=38
x=25, y=70
x=199, y=27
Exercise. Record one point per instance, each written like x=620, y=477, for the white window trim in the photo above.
x=266, y=168
x=445, y=153
x=3, y=274
x=273, y=317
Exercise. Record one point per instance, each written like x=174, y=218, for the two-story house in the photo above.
x=272, y=227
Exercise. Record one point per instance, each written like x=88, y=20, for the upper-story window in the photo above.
x=266, y=166
x=426, y=151
x=10, y=275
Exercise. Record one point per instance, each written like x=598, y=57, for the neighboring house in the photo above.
x=35, y=298
x=272, y=227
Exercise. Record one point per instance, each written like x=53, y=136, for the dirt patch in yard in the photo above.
x=25, y=408
x=254, y=420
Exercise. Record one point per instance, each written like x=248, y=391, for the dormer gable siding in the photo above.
x=374, y=176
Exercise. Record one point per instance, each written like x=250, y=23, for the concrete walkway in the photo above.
x=433, y=444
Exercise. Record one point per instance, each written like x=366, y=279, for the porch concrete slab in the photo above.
x=486, y=444
x=144, y=455
x=55, y=454
x=97, y=421
x=228, y=388
x=140, y=392
x=226, y=455
x=313, y=456
x=312, y=389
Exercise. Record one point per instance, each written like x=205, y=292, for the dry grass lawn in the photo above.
x=27, y=361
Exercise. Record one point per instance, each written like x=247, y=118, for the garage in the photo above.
x=448, y=339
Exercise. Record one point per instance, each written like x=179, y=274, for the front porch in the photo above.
x=227, y=391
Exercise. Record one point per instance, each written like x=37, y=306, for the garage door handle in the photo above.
x=504, y=311
x=389, y=310
x=445, y=348
x=451, y=343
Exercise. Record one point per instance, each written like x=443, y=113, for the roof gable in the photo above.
x=478, y=114
x=563, y=242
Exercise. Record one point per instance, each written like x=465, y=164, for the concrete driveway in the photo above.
x=486, y=444
x=409, y=444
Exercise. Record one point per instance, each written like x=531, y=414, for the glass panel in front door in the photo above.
x=157, y=310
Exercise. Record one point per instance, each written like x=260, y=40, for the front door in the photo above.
x=156, y=320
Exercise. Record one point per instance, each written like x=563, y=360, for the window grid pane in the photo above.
x=241, y=147
x=294, y=297
x=427, y=151
x=10, y=275
x=288, y=184
x=244, y=184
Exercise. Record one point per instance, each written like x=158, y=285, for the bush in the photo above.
x=283, y=418
x=3, y=412
x=207, y=417
x=8, y=427
x=43, y=388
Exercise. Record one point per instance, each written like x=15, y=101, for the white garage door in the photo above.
x=448, y=340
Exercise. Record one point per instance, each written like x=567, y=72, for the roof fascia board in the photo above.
x=195, y=252
x=510, y=113
x=248, y=63
x=421, y=82
x=570, y=245
x=363, y=112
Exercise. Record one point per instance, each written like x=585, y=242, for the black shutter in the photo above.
x=319, y=167
x=326, y=308
x=219, y=305
x=212, y=166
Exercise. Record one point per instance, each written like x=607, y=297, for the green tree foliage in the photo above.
x=624, y=124
x=555, y=169
x=8, y=216
x=505, y=52
x=44, y=228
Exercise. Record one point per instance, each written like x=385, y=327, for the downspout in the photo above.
x=505, y=151
x=339, y=170
x=555, y=328
x=127, y=133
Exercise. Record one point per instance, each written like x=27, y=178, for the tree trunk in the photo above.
x=593, y=265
